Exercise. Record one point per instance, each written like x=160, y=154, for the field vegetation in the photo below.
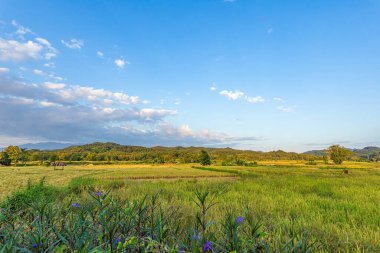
x=274, y=206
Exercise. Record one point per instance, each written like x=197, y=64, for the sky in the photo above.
x=248, y=74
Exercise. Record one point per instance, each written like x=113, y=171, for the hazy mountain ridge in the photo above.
x=363, y=153
x=108, y=146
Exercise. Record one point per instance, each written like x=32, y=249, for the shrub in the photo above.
x=38, y=192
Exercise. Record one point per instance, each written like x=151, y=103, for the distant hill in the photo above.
x=108, y=151
x=362, y=153
x=366, y=152
x=46, y=145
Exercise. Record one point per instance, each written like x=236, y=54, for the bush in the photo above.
x=38, y=192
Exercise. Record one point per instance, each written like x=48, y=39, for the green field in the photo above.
x=339, y=211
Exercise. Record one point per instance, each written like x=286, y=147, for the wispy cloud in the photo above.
x=232, y=95
x=73, y=43
x=255, y=100
x=4, y=70
x=213, y=87
x=278, y=99
x=100, y=54
x=38, y=72
x=287, y=109
x=120, y=63
x=236, y=95
x=21, y=30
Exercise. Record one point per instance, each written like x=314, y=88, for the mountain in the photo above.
x=46, y=145
x=362, y=153
x=366, y=152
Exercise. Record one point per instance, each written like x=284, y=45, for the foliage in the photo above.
x=338, y=153
x=33, y=193
x=4, y=159
x=14, y=153
x=99, y=222
x=204, y=158
x=342, y=211
x=114, y=153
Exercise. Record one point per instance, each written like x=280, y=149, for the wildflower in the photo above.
x=196, y=237
x=34, y=245
x=76, y=205
x=239, y=220
x=98, y=193
x=207, y=247
x=118, y=240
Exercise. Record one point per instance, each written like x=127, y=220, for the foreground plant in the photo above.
x=103, y=223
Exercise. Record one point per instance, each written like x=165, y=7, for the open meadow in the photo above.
x=338, y=212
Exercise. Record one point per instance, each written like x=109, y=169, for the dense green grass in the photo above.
x=341, y=212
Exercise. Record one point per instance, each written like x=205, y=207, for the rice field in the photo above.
x=340, y=211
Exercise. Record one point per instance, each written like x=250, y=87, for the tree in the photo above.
x=14, y=153
x=338, y=153
x=4, y=159
x=325, y=159
x=204, y=158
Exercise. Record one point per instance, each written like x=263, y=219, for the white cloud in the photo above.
x=16, y=51
x=185, y=131
x=54, y=86
x=58, y=78
x=232, y=95
x=49, y=65
x=38, y=72
x=21, y=30
x=51, y=52
x=12, y=50
x=152, y=113
x=255, y=100
x=287, y=109
x=73, y=43
x=213, y=87
x=47, y=104
x=100, y=54
x=120, y=63
x=4, y=70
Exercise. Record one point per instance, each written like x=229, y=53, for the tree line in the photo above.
x=112, y=152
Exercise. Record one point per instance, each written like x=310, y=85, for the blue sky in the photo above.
x=261, y=75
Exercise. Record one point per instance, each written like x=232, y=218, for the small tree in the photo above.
x=4, y=159
x=325, y=159
x=204, y=158
x=14, y=153
x=338, y=153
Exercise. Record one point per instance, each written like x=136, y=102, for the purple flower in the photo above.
x=76, y=205
x=98, y=193
x=207, y=247
x=196, y=236
x=118, y=240
x=239, y=220
x=34, y=245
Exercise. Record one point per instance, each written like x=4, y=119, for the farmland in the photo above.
x=340, y=212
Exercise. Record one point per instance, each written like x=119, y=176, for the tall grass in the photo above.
x=100, y=222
